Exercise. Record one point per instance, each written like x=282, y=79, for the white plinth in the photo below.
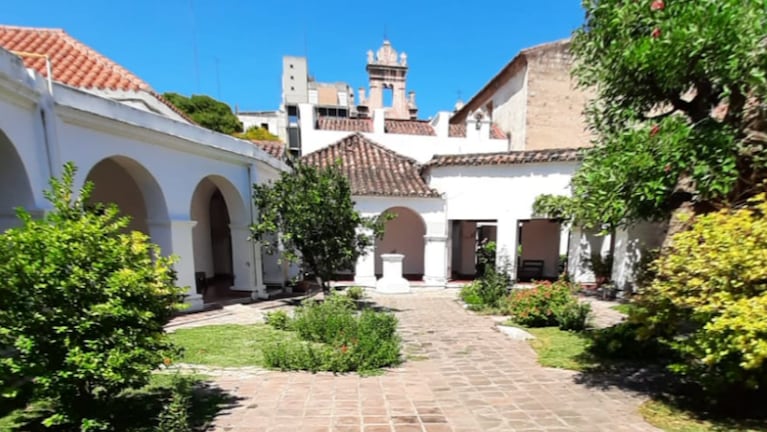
x=392, y=281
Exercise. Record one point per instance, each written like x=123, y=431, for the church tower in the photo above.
x=388, y=71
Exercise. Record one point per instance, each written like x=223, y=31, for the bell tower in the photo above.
x=388, y=70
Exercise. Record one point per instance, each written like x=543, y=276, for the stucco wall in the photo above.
x=510, y=108
x=403, y=235
x=15, y=190
x=540, y=241
x=554, y=105
x=504, y=193
x=203, y=247
x=162, y=158
x=112, y=184
x=631, y=245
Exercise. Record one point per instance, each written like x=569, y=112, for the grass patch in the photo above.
x=135, y=410
x=624, y=308
x=228, y=345
x=672, y=419
x=561, y=349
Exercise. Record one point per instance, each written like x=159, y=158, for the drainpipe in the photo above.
x=46, y=127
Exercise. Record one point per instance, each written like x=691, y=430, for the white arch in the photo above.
x=15, y=186
x=403, y=234
x=155, y=217
x=214, y=250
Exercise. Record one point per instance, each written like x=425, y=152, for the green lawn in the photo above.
x=623, y=308
x=569, y=350
x=560, y=349
x=671, y=419
x=227, y=345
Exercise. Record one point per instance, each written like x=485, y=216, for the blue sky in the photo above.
x=452, y=45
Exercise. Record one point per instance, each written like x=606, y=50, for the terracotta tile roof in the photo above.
x=274, y=148
x=345, y=124
x=402, y=127
x=73, y=63
x=507, y=158
x=409, y=127
x=459, y=130
x=373, y=170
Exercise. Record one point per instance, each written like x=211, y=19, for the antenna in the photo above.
x=218, y=80
x=386, y=34
x=194, y=46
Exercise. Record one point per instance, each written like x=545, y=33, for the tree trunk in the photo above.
x=679, y=221
x=683, y=210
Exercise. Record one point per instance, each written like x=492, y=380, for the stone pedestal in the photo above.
x=392, y=281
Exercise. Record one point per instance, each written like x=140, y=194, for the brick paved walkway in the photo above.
x=463, y=376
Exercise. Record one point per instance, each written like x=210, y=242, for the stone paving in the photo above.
x=462, y=375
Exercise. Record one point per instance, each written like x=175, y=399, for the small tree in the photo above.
x=82, y=305
x=207, y=112
x=313, y=212
x=679, y=115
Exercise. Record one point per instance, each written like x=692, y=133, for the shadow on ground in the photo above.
x=138, y=410
x=671, y=396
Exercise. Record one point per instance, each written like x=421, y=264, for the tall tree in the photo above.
x=310, y=213
x=679, y=113
x=207, y=112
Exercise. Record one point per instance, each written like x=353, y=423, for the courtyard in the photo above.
x=460, y=374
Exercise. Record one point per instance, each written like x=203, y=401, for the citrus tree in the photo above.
x=83, y=304
x=678, y=116
x=309, y=215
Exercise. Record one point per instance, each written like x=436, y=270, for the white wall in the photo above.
x=584, y=243
x=434, y=243
x=540, y=241
x=631, y=244
x=504, y=193
x=165, y=159
x=200, y=212
x=419, y=147
x=112, y=184
x=403, y=235
x=510, y=108
x=276, y=121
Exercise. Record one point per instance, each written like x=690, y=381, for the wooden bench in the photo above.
x=530, y=270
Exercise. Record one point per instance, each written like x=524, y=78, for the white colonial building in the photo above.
x=454, y=181
x=185, y=186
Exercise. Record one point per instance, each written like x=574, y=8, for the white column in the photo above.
x=255, y=250
x=392, y=281
x=247, y=274
x=435, y=260
x=365, y=269
x=176, y=235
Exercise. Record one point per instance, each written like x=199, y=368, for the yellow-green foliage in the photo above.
x=709, y=299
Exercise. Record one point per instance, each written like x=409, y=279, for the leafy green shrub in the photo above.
x=622, y=342
x=493, y=286
x=82, y=306
x=572, y=315
x=327, y=321
x=278, y=320
x=174, y=416
x=545, y=304
x=708, y=301
x=470, y=293
x=336, y=338
x=296, y=356
x=355, y=293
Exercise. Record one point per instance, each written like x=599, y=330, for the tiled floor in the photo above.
x=462, y=375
